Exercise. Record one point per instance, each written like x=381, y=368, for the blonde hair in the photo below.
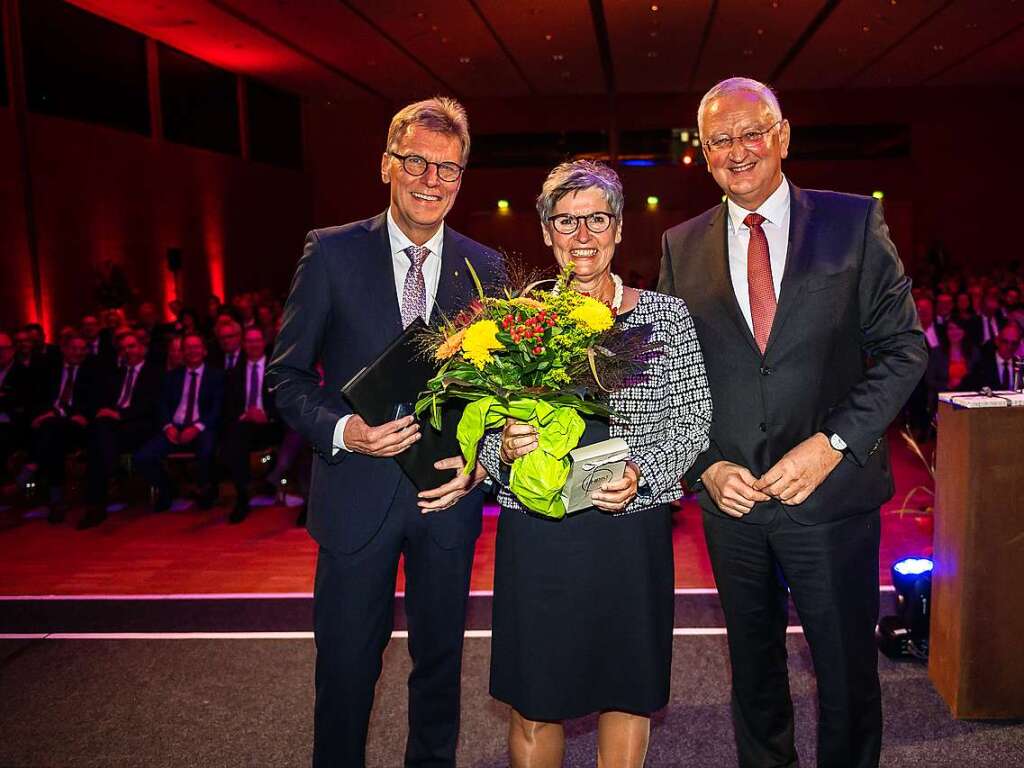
x=441, y=114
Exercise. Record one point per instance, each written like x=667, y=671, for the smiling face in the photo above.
x=591, y=253
x=747, y=176
x=420, y=203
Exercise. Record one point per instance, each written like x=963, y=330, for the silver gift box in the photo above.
x=593, y=466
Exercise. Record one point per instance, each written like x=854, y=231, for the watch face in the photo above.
x=837, y=442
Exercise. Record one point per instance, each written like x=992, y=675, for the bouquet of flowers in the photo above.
x=539, y=356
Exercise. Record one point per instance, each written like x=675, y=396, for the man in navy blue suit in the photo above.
x=355, y=288
x=188, y=414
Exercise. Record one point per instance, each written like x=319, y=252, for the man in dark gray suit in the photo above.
x=355, y=289
x=812, y=345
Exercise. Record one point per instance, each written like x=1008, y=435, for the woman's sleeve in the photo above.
x=489, y=456
x=676, y=441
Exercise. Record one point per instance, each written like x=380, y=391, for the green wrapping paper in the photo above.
x=538, y=477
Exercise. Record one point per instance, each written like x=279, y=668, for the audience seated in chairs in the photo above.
x=15, y=391
x=250, y=418
x=60, y=419
x=189, y=414
x=994, y=368
x=125, y=420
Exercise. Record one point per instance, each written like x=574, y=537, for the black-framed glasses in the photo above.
x=415, y=165
x=749, y=139
x=567, y=224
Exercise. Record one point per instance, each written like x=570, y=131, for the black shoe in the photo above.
x=58, y=511
x=93, y=517
x=163, y=502
x=207, y=497
x=240, y=510
x=300, y=521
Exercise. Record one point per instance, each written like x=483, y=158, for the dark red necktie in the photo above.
x=759, y=281
x=190, y=408
x=254, y=386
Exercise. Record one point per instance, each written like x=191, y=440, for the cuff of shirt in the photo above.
x=339, y=435
x=199, y=425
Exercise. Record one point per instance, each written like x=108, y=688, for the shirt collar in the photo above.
x=258, y=362
x=199, y=369
x=773, y=209
x=399, y=240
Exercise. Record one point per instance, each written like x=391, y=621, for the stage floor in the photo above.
x=191, y=552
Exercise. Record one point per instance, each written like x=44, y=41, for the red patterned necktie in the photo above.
x=759, y=281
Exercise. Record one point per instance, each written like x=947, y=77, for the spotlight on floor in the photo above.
x=905, y=635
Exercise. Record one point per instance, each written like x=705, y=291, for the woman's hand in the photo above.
x=517, y=439
x=614, y=496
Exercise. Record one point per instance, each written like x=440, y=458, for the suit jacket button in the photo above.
x=766, y=371
x=763, y=427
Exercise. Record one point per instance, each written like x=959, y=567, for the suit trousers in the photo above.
x=353, y=615
x=107, y=438
x=239, y=438
x=831, y=571
x=149, y=459
x=51, y=442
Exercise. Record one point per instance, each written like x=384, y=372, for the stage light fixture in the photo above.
x=652, y=201
x=878, y=194
x=687, y=159
x=905, y=635
x=503, y=206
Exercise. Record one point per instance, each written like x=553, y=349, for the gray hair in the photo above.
x=576, y=176
x=733, y=85
x=440, y=114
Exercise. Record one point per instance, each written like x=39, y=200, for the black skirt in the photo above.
x=583, y=612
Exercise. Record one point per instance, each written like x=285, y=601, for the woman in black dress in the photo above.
x=583, y=606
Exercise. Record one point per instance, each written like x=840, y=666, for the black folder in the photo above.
x=397, y=377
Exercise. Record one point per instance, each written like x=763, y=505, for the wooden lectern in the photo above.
x=976, y=656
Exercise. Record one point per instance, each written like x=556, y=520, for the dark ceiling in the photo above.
x=395, y=50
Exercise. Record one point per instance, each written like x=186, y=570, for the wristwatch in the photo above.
x=835, y=441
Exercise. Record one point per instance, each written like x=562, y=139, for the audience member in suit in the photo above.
x=919, y=409
x=964, y=312
x=15, y=389
x=125, y=419
x=994, y=368
x=99, y=341
x=44, y=355
x=24, y=348
x=950, y=365
x=61, y=417
x=992, y=318
x=228, y=351
x=189, y=413
x=174, y=358
x=944, y=306
x=250, y=418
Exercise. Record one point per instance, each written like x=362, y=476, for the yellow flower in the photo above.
x=525, y=301
x=480, y=339
x=593, y=314
x=450, y=346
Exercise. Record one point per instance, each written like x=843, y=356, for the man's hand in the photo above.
x=79, y=420
x=187, y=435
x=732, y=488
x=255, y=416
x=38, y=420
x=388, y=439
x=613, y=497
x=445, y=495
x=172, y=435
x=108, y=413
x=798, y=474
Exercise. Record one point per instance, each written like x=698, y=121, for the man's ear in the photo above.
x=385, y=168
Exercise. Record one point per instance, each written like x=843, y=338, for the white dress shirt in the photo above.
x=65, y=372
x=181, y=413
x=931, y=336
x=401, y=264
x=776, y=229
x=260, y=367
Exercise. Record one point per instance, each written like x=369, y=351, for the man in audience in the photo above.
x=189, y=413
x=250, y=418
x=992, y=318
x=125, y=419
x=995, y=368
x=229, y=344
x=24, y=348
x=943, y=309
x=15, y=389
x=44, y=354
x=60, y=419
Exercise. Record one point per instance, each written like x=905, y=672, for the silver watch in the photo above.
x=836, y=442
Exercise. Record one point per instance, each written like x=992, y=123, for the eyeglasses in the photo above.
x=567, y=224
x=415, y=165
x=749, y=139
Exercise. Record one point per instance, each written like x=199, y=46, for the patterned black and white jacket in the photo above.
x=665, y=419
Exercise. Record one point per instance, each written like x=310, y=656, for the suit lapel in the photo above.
x=798, y=259
x=380, y=283
x=717, y=246
x=451, y=285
